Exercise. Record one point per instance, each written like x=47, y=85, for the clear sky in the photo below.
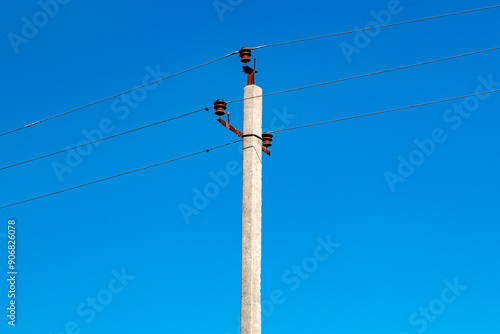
x=384, y=225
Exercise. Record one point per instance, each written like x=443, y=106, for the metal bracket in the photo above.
x=241, y=135
x=251, y=72
x=230, y=127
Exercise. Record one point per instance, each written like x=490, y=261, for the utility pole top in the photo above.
x=245, y=54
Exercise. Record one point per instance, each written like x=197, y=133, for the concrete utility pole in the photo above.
x=254, y=143
x=252, y=211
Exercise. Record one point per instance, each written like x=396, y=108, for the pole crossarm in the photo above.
x=240, y=134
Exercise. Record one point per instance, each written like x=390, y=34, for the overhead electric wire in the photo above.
x=386, y=111
x=121, y=174
x=116, y=95
x=236, y=52
x=268, y=94
x=369, y=74
x=237, y=141
x=102, y=139
x=376, y=27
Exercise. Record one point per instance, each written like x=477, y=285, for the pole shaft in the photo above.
x=252, y=212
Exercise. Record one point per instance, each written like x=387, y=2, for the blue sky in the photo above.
x=383, y=224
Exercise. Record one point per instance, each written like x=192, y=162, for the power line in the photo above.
x=237, y=141
x=236, y=52
x=377, y=27
x=116, y=95
x=385, y=111
x=269, y=94
x=117, y=175
x=374, y=73
x=102, y=139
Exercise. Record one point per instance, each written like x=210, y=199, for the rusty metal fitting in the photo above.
x=267, y=138
x=245, y=54
x=220, y=107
